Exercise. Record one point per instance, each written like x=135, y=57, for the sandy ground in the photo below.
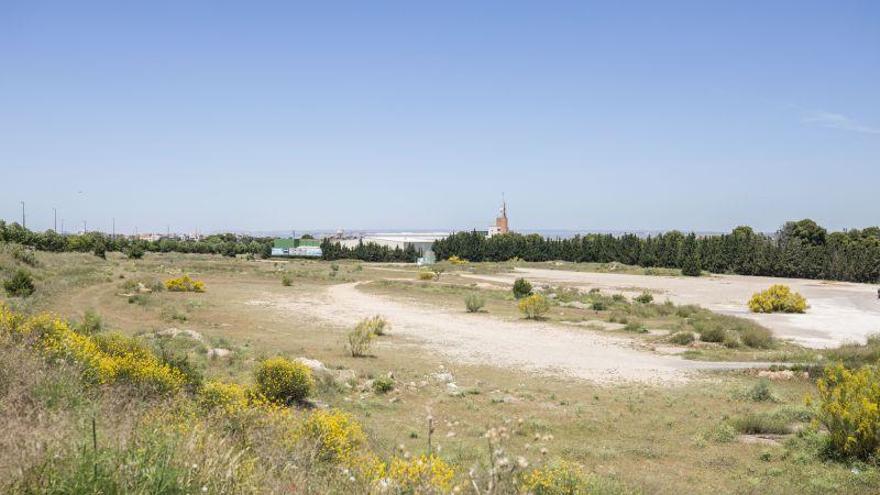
x=482, y=339
x=839, y=311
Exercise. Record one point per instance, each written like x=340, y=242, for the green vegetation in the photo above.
x=474, y=302
x=800, y=249
x=286, y=280
x=644, y=298
x=521, y=288
x=849, y=408
x=21, y=284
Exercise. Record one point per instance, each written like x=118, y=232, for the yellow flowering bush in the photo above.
x=559, y=478
x=184, y=284
x=534, y=307
x=230, y=397
x=103, y=359
x=336, y=434
x=455, y=260
x=423, y=474
x=281, y=380
x=426, y=275
x=778, y=298
x=849, y=407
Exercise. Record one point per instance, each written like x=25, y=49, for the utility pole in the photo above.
x=167, y=231
x=22, y=215
x=55, y=215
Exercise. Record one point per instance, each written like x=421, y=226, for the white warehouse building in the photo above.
x=421, y=241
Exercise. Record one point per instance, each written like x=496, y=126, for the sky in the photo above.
x=616, y=115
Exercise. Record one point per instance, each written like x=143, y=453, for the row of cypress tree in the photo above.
x=800, y=249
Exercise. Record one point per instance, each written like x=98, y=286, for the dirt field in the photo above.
x=839, y=311
x=483, y=339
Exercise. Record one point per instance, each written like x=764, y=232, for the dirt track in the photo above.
x=483, y=339
x=839, y=311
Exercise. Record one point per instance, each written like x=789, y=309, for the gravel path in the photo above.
x=839, y=311
x=483, y=339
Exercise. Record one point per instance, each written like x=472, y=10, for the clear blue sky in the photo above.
x=613, y=115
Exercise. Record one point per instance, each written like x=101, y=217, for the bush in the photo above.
x=474, y=302
x=230, y=397
x=91, y=323
x=337, y=436
x=599, y=306
x=360, y=339
x=426, y=275
x=521, y=288
x=534, y=306
x=777, y=299
x=559, y=478
x=283, y=381
x=424, y=474
x=760, y=392
x=682, y=338
x=26, y=256
x=377, y=325
x=184, y=284
x=20, y=285
x=134, y=252
x=286, y=280
x=757, y=337
x=644, y=298
x=849, y=407
x=712, y=334
x=383, y=384
x=100, y=250
x=691, y=267
x=618, y=297
x=455, y=260
x=762, y=423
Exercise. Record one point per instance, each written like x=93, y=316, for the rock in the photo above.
x=219, y=352
x=316, y=366
x=444, y=377
x=780, y=375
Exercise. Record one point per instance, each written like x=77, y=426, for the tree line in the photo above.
x=369, y=251
x=801, y=249
x=224, y=244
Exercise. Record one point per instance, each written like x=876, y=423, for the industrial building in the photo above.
x=310, y=248
x=422, y=242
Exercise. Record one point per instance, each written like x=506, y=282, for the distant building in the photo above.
x=500, y=226
x=310, y=248
x=422, y=242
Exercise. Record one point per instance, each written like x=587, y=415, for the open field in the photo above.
x=839, y=311
x=572, y=386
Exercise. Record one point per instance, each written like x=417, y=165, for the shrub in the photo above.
x=26, y=256
x=635, y=326
x=100, y=250
x=426, y=275
x=184, y=284
x=761, y=423
x=377, y=325
x=594, y=290
x=455, y=260
x=474, y=302
x=778, y=298
x=559, y=478
x=134, y=252
x=760, y=391
x=691, y=266
x=337, y=436
x=757, y=337
x=360, y=339
x=849, y=407
x=644, y=298
x=521, y=288
x=423, y=474
x=383, y=384
x=599, y=306
x=230, y=397
x=682, y=338
x=534, y=306
x=20, y=285
x=618, y=297
x=283, y=381
x=712, y=334
x=286, y=280
x=91, y=324
x=731, y=340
